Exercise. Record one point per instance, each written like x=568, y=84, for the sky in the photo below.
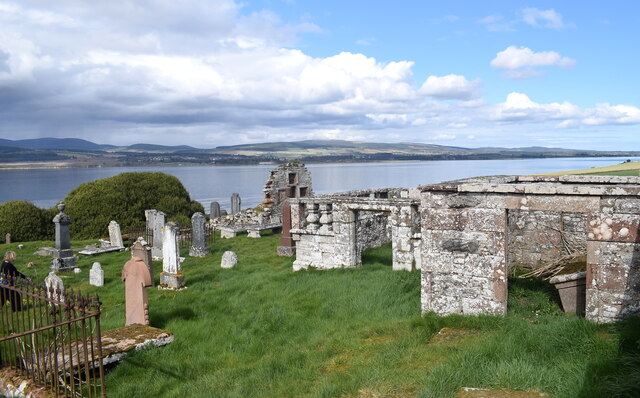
x=222, y=72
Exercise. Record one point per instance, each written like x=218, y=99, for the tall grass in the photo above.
x=261, y=330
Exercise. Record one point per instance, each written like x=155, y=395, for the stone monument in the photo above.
x=142, y=250
x=155, y=222
x=136, y=277
x=171, y=276
x=214, y=211
x=96, y=275
x=54, y=287
x=115, y=235
x=199, y=245
x=62, y=257
x=235, y=203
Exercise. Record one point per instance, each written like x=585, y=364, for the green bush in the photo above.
x=25, y=222
x=124, y=198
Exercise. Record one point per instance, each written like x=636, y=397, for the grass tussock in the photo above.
x=261, y=330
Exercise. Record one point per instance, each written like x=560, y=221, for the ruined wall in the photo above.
x=292, y=174
x=372, y=229
x=538, y=237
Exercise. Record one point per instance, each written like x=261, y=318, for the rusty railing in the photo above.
x=52, y=337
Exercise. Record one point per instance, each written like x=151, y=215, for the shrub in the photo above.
x=124, y=198
x=25, y=222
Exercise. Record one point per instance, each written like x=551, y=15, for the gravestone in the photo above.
x=62, y=257
x=142, y=250
x=199, y=245
x=171, y=276
x=54, y=287
x=214, y=211
x=155, y=222
x=229, y=259
x=115, y=235
x=287, y=245
x=136, y=277
x=96, y=275
x=235, y=203
x=7, y=238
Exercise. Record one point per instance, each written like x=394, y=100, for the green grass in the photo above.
x=622, y=169
x=261, y=330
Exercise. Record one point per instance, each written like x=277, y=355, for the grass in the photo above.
x=261, y=330
x=623, y=169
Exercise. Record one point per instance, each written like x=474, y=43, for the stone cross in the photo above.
x=142, y=250
x=235, y=203
x=214, y=211
x=115, y=236
x=136, y=277
x=155, y=222
x=171, y=276
x=62, y=257
x=198, y=246
x=96, y=275
x=54, y=286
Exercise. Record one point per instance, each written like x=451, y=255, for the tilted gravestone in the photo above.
x=171, y=276
x=54, y=287
x=62, y=257
x=142, y=250
x=214, y=211
x=155, y=222
x=96, y=275
x=136, y=277
x=115, y=235
x=198, y=246
x=235, y=203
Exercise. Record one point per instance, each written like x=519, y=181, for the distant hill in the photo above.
x=159, y=148
x=56, y=143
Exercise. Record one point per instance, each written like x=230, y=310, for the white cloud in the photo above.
x=451, y=87
x=543, y=18
x=520, y=61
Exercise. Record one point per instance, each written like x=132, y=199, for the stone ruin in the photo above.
x=464, y=235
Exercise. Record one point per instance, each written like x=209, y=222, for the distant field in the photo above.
x=623, y=169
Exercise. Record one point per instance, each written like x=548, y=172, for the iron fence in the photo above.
x=144, y=232
x=52, y=337
x=186, y=235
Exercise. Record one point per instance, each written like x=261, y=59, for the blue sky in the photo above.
x=220, y=72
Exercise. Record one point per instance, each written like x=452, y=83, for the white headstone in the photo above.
x=171, y=248
x=96, y=275
x=229, y=259
x=54, y=286
x=115, y=235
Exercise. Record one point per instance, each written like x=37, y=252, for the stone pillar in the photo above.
x=62, y=257
x=155, y=222
x=287, y=245
x=96, y=275
x=214, y=211
x=401, y=233
x=235, y=203
x=115, y=235
x=141, y=249
x=199, y=245
x=613, y=266
x=171, y=276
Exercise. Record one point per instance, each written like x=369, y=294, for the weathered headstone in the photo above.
x=235, y=203
x=287, y=245
x=229, y=259
x=115, y=235
x=7, y=238
x=199, y=245
x=54, y=287
x=214, y=211
x=62, y=257
x=96, y=275
x=155, y=222
x=171, y=276
x=142, y=250
x=136, y=277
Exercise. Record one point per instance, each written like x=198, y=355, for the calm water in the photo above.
x=45, y=188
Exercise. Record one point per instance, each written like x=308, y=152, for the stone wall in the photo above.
x=292, y=174
x=372, y=229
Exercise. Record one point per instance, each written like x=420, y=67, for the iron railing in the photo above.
x=52, y=337
x=185, y=238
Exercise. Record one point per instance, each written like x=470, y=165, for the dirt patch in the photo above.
x=467, y=392
x=454, y=336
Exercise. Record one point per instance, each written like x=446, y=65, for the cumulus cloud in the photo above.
x=521, y=61
x=451, y=87
x=543, y=18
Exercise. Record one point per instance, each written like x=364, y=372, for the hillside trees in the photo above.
x=25, y=221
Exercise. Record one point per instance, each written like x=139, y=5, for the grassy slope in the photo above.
x=260, y=330
x=623, y=169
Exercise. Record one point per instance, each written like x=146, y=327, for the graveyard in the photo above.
x=260, y=329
